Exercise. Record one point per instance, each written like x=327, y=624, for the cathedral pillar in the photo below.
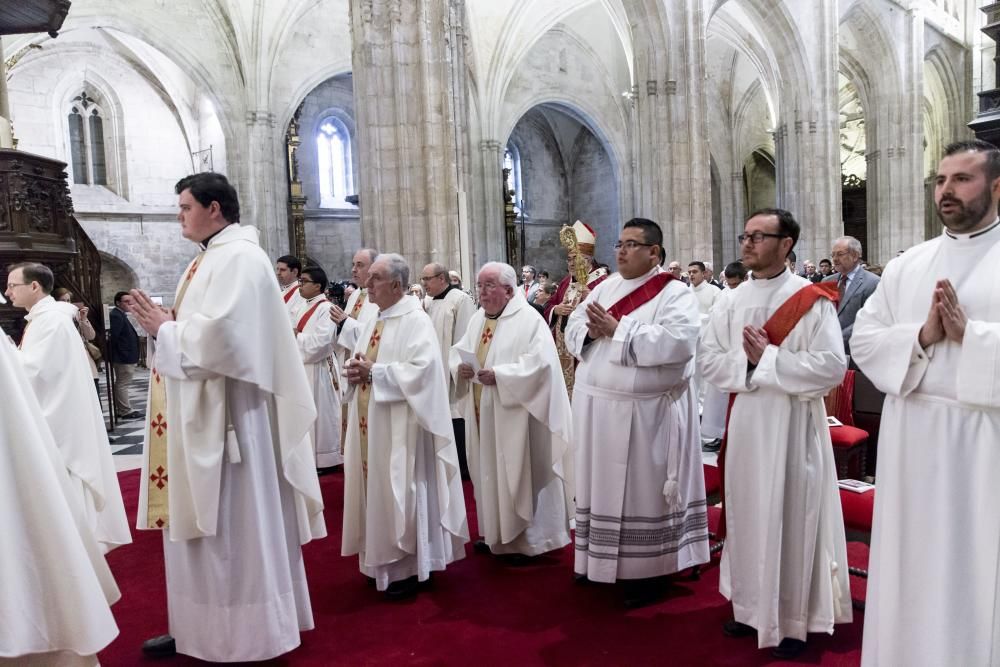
x=6, y=135
x=266, y=161
x=498, y=242
x=409, y=96
x=673, y=175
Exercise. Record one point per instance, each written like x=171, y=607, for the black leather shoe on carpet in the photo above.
x=480, y=547
x=712, y=446
x=516, y=560
x=160, y=647
x=404, y=588
x=788, y=649
x=734, y=628
x=642, y=592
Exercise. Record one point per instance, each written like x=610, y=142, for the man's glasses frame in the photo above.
x=758, y=237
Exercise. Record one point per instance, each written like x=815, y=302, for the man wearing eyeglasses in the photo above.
x=854, y=283
x=640, y=491
x=450, y=310
x=55, y=362
x=316, y=335
x=774, y=343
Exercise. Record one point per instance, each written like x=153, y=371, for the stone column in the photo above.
x=266, y=157
x=673, y=175
x=409, y=97
x=494, y=223
x=6, y=136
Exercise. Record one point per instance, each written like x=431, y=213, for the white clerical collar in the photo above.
x=974, y=235
x=643, y=278
x=320, y=296
x=40, y=307
x=285, y=288
x=401, y=307
x=769, y=282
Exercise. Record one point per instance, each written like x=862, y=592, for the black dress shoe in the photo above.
x=788, y=649
x=160, y=647
x=642, y=592
x=326, y=471
x=402, y=589
x=713, y=446
x=516, y=560
x=734, y=628
x=580, y=579
x=480, y=547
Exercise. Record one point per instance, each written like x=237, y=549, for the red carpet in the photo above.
x=477, y=612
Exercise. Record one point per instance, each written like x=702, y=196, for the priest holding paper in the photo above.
x=929, y=337
x=775, y=343
x=518, y=423
x=228, y=471
x=640, y=490
x=316, y=335
x=404, y=512
x=55, y=362
x=57, y=586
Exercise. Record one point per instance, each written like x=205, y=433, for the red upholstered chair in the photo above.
x=850, y=444
x=713, y=486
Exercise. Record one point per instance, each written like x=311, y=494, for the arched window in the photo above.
x=88, y=155
x=336, y=176
x=512, y=166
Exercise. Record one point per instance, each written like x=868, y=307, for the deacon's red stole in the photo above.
x=304, y=320
x=778, y=326
x=640, y=295
x=290, y=293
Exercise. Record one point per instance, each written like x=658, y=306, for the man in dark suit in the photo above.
x=124, y=343
x=854, y=283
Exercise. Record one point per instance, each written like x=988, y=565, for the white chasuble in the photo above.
x=519, y=454
x=784, y=565
x=406, y=516
x=640, y=489
x=240, y=475
x=317, y=340
x=56, y=586
x=54, y=359
x=934, y=579
x=450, y=313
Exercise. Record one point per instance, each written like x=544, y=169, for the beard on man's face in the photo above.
x=962, y=217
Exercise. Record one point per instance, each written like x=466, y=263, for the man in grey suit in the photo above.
x=854, y=283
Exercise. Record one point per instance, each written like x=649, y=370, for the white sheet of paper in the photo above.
x=470, y=358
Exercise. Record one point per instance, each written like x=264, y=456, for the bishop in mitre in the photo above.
x=55, y=362
x=518, y=425
x=54, y=602
x=316, y=335
x=580, y=257
x=228, y=472
x=404, y=512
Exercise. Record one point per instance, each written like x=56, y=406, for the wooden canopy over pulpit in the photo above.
x=37, y=225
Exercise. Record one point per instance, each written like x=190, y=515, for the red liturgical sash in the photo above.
x=304, y=320
x=778, y=326
x=290, y=293
x=640, y=295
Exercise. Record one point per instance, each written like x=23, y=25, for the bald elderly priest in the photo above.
x=518, y=423
x=640, y=489
x=404, y=512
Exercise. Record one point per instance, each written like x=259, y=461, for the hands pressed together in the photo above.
x=149, y=315
x=486, y=376
x=600, y=323
x=946, y=318
x=358, y=370
x=755, y=341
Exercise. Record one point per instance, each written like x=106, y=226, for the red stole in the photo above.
x=290, y=293
x=640, y=295
x=778, y=326
x=301, y=326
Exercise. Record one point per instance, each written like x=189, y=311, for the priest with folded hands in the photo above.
x=518, y=425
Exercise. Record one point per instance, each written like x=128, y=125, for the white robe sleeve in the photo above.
x=463, y=314
x=722, y=361
x=350, y=331
x=808, y=373
x=671, y=338
x=979, y=365
x=317, y=344
x=888, y=351
x=465, y=342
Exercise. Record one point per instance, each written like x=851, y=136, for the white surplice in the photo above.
x=450, y=314
x=293, y=293
x=405, y=517
x=934, y=578
x=640, y=489
x=712, y=400
x=243, y=491
x=519, y=454
x=55, y=361
x=784, y=565
x=55, y=586
x=317, y=343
